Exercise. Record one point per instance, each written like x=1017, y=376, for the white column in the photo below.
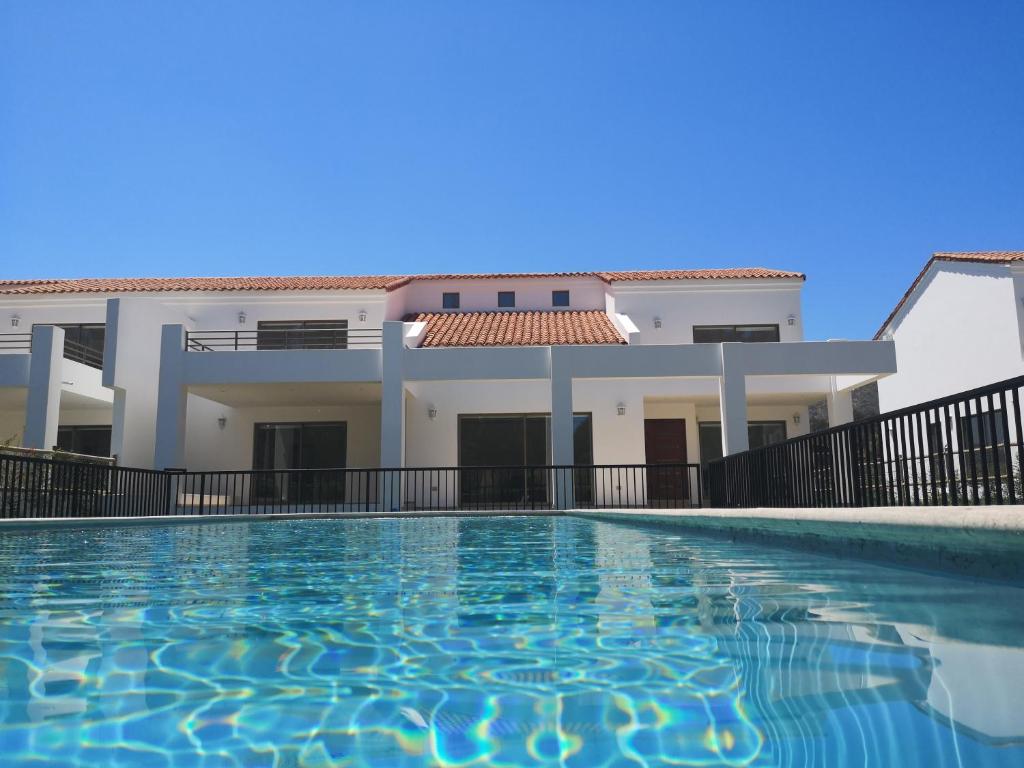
x=172, y=400
x=732, y=400
x=562, y=452
x=840, y=405
x=392, y=414
x=42, y=411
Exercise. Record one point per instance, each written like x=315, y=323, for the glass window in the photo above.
x=715, y=334
x=302, y=334
x=559, y=298
x=506, y=298
x=450, y=300
x=296, y=446
x=88, y=440
x=984, y=442
x=510, y=453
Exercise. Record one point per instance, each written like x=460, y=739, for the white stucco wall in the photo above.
x=680, y=307
x=482, y=295
x=208, y=447
x=960, y=330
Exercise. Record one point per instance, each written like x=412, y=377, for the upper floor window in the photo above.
x=450, y=300
x=713, y=334
x=506, y=299
x=559, y=298
x=302, y=334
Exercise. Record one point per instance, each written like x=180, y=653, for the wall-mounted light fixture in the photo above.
x=15, y=321
x=796, y=418
x=791, y=320
x=241, y=317
x=432, y=413
x=362, y=315
x=222, y=421
x=657, y=322
x=621, y=409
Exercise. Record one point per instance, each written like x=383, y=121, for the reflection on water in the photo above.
x=505, y=642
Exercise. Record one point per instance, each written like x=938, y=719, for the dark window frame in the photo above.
x=285, y=485
x=557, y=295
x=77, y=430
x=451, y=300
x=334, y=334
x=504, y=297
x=732, y=333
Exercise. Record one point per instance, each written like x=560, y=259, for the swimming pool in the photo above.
x=492, y=641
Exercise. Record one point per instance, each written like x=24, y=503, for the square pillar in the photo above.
x=392, y=416
x=562, y=442
x=732, y=400
x=172, y=400
x=42, y=411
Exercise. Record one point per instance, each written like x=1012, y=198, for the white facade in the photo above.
x=960, y=327
x=184, y=384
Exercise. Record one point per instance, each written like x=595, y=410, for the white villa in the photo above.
x=641, y=367
x=959, y=326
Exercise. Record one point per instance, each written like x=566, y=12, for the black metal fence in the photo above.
x=32, y=487
x=283, y=338
x=15, y=342
x=963, y=449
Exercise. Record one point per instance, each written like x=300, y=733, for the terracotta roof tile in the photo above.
x=978, y=257
x=741, y=273
x=371, y=282
x=162, y=284
x=516, y=329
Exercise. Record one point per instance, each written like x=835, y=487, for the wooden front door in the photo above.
x=665, y=449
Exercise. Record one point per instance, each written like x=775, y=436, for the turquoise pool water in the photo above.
x=492, y=642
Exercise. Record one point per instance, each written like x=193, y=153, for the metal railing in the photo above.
x=961, y=449
x=283, y=338
x=634, y=486
x=83, y=354
x=15, y=342
x=33, y=487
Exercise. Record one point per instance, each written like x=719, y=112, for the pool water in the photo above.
x=492, y=642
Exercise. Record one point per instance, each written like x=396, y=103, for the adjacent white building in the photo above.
x=431, y=370
x=959, y=326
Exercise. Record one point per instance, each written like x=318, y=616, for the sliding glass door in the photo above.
x=296, y=446
x=505, y=458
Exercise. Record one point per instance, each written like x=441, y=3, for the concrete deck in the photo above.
x=985, y=541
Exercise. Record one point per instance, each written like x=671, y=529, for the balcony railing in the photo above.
x=83, y=354
x=283, y=338
x=22, y=342
x=15, y=342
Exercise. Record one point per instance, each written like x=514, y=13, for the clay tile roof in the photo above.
x=370, y=282
x=516, y=329
x=159, y=284
x=978, y=257
x=741, y=273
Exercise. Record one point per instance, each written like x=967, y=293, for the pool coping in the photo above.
x=983, y=541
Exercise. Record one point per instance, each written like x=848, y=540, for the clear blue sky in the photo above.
x=847, y=140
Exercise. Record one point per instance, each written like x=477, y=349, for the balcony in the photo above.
x=21, y=343
x=284, y=338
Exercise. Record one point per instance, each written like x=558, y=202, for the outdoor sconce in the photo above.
x=241, y=318
x=621, y=409
x=362, y=315
x=222, y=421
x=15, y=320
x=432, y=413
x=657, y=322
x=791, y=319
x=796, y=418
